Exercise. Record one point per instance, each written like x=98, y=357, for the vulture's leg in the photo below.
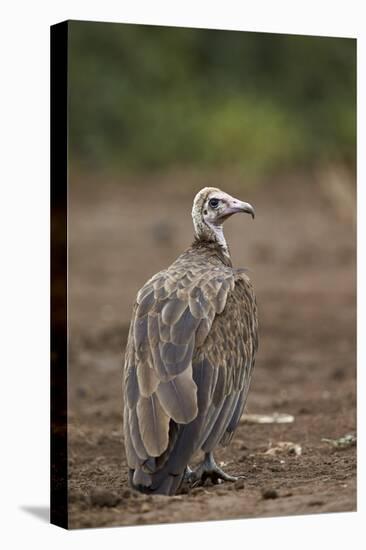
x=189, y=475
x=208, y=469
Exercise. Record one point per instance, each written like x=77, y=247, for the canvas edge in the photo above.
x=58, y=255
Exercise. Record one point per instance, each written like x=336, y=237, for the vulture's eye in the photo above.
x=214, y=203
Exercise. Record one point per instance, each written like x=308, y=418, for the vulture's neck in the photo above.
x=212, y=235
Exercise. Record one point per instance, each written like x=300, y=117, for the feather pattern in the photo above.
x=188, y=364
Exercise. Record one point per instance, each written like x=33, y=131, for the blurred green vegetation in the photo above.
x=152, y=98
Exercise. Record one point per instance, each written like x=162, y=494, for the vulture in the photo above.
x=189, y=357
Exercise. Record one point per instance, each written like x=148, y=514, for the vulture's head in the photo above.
x=211, y=207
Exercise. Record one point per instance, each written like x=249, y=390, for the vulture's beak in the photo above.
x=236, y=206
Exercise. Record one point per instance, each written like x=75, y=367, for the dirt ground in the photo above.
x=301, y=252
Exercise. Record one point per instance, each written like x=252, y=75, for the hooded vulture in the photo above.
x=189, y=357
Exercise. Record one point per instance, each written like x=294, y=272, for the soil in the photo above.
x=301, y=252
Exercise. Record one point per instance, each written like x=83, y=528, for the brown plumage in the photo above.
x=189, y=356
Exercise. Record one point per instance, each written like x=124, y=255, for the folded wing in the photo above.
x=188, y=361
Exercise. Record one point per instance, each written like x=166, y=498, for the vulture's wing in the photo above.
x=230, y=347
x=187, y=362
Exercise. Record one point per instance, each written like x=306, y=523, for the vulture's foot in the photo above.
x=209, y=470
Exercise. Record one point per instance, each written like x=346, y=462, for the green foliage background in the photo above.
x=151, y=98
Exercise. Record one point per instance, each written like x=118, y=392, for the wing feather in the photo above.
x=172, y=310
x=131, y=454
x=131, y=387
x=145, y=304
x=135, y=435
x=153, y=424
x=184, y=328
x=147, y=379
x=189, y=357
x=178, y=397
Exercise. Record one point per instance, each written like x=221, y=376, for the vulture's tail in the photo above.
x=159, y=483
x=164, y=475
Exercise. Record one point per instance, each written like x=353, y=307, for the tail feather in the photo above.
x=160, y=483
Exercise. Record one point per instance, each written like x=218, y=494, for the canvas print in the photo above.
x=203, y=274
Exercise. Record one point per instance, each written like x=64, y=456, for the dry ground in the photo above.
x=301, y=253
